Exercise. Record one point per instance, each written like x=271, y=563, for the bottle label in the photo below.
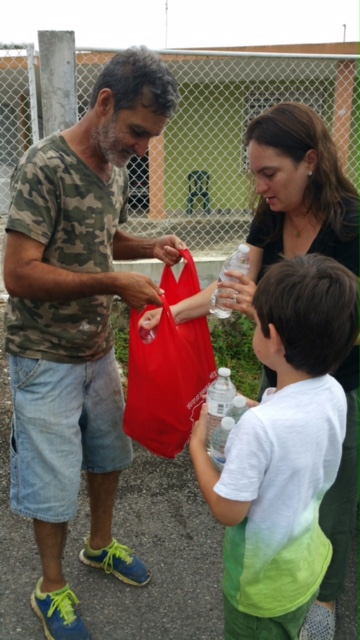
x=218, y=408
x=217, y=457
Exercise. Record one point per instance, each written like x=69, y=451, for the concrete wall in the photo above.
x=207, y=268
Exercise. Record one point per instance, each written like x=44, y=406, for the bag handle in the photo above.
x=166, y=315
x=185, y=253
x=167, y=310
x=189, y=273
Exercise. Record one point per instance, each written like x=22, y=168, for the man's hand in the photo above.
x=166, y=249
x=137, y=291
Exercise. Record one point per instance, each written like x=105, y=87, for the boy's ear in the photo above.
x=276, y=344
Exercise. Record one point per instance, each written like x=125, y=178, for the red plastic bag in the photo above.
x=168, y=377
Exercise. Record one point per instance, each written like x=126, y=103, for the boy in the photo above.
x=284, y=454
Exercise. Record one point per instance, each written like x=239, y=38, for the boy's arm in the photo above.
x=228, y=512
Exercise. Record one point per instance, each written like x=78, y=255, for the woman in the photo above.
x=306, y=204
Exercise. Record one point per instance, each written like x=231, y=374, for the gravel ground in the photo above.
x=160, y=513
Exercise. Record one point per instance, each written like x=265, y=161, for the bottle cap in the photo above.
x=244, y=248
x=227, y=423
x=224, y=371
x=239, y=401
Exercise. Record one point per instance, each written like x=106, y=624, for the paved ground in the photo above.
x=160, y=513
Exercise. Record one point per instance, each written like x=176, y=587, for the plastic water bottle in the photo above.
x=237, y=408
x=218, y=442
x=147, y=335
x=238, y=261
x=219, y=397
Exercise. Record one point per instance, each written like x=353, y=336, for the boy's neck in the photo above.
x=286, y=374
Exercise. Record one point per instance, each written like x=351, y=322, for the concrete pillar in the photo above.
x=58, y=80
x=156, y=178
x=343, y=107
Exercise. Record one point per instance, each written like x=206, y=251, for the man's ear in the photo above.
x=105, y=102
x=276, y=344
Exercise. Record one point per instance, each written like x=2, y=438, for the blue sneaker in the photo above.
x=56, y=610
x=119, y=560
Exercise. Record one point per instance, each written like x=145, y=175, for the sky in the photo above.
x=172, y=24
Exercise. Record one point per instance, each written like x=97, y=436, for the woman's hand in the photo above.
x=242, y=291
x=150, y=319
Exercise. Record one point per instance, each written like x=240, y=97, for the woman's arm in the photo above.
x=199, y=305
x=194, y=307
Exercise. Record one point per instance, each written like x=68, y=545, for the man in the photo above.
x=68, y=193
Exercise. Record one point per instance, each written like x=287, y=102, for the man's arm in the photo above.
x=228, y=512
x=27, y=276
x=128, y=247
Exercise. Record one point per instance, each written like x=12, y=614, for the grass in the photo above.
x=232, y=342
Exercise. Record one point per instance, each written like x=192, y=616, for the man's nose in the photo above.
x=141, y=148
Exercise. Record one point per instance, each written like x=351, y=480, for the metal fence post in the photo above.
x=32, y=93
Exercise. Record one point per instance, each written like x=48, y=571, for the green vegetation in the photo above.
x=232, y=342
x=122, y=347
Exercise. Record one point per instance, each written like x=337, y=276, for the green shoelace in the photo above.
x=64, y=601
x=116, y=550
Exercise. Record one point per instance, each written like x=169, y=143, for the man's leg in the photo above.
x=107, y=450
x=51, y=539
x=102, y=491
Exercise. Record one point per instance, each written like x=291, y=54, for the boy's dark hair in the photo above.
x=313, y=302
x=138, y=73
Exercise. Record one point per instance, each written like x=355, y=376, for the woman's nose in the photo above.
x=261, y=186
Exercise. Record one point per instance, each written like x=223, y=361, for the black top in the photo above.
x=328, y=244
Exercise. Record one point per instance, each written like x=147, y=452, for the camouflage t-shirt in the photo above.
x=59, y=201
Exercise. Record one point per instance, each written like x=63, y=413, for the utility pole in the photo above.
x=166, y=22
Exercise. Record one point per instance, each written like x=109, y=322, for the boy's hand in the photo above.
x=250, y=402
x=199, y=432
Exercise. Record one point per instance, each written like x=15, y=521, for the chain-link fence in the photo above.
x=220, y=93
x=19, y=120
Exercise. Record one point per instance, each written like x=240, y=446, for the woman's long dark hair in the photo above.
x=293, y=129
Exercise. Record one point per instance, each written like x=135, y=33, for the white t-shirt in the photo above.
x=282, y=455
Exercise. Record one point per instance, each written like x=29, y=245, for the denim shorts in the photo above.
x=66, y=417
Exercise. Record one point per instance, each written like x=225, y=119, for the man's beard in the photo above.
x=110, y=146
